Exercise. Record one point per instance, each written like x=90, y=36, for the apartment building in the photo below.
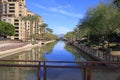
x=11, y=11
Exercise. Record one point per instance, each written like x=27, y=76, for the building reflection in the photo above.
x=25, y=73
x=8, y=73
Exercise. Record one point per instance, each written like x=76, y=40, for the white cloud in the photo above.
x=59, y=9
x=61, y=30
x=65, y=6
x=37, y=5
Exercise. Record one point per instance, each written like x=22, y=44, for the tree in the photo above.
x=42, y=29
x=49, y=36
x=69, y=36
x=117, y=3
x=49, y=30
x=101, y=22
x=25, y=19
x=32, y=19
x=6, y=29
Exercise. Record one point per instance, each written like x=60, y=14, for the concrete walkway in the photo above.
x=115, y=53
x=14, y=50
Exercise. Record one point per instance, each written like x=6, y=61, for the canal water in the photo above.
x=56, y=51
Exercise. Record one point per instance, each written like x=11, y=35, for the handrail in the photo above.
x=88, y=66
x=89, y=62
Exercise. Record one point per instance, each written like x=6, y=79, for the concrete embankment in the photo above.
x=20, y=49
x=96, y=54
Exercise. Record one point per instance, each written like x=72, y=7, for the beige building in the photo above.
x=11, y=11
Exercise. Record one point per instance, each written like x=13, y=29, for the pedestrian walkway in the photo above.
x=7, y=45
x=115, y=53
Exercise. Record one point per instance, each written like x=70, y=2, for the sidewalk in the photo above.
x=11, y=45
x=12, y=48
x=115, y=53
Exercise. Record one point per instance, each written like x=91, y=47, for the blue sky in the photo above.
x=61, y=15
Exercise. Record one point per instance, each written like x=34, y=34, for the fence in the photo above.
x=87, y=67
x=99, y=55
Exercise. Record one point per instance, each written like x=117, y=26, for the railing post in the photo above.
x=109, y=57
x=113, y=58
x=117, y=59
x=39, y=70
x=91, y=72
x=85, y=71
x=44, y=65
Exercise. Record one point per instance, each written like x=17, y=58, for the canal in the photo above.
x=56, y=51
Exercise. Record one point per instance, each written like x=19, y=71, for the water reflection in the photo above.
x=12, y=73
x=26, y=73
x=53, y=51
x=59, y=53
x=79, y=55
x=36, y=53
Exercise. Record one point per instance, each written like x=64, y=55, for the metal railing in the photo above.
x=87, y=67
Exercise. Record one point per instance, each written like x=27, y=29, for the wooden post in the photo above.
x=91, y=72
x=85, y=73
x=39, y=70
x=44, y=71
x=109, y=57
x=113, y=58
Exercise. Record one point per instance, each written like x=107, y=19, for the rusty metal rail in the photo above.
x=87, y=67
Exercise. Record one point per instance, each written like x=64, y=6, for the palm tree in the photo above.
x=42, y=29
x=32, y=20
x=25, y=19
x=49, y=30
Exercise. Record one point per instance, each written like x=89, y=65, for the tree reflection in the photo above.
x=79, y=55
x=49, y=47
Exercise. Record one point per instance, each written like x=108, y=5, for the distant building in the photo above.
x=11, y=11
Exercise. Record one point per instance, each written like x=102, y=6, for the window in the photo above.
x=12, y=0
x=16, y=20
x=16, y=31
x=11, y=4
x=16, y=23
x=9, y=0
x=20, y=4
x=15, y=0
x=16, y=38
x=16, y=27
x=9, y=15
x=11, y=11
x=11, y=7
x=20, y=14
x=16, y=34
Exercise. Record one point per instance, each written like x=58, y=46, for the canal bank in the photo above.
x=22, y=48
x=96, y=54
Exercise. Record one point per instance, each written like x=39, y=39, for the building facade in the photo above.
x=11, y=11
